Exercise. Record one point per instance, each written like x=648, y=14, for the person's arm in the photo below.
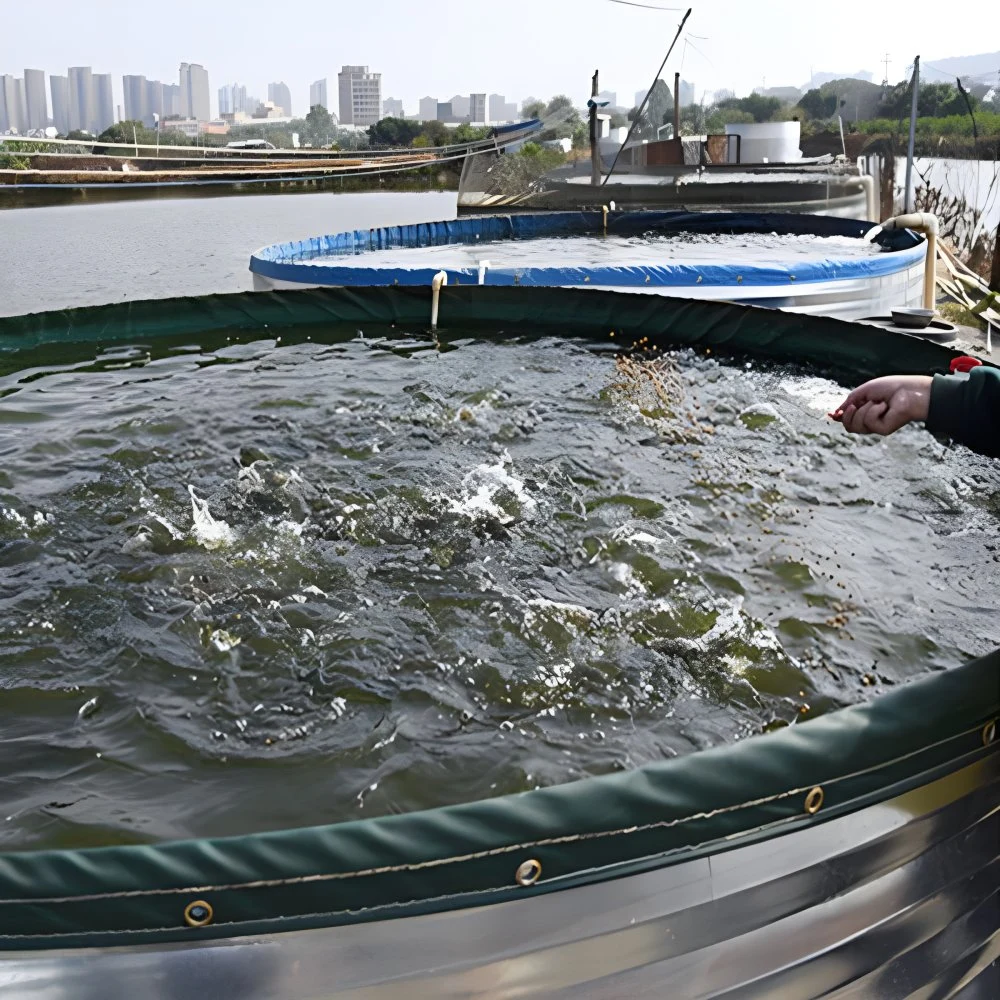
x=883, y=405
x=968, y=410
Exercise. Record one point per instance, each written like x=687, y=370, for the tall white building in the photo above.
x=318, y=95
x=59, y=85
x=134, y=89
x=392, y=107
x=281, y=96
x=171, y=100
x=428, y=109
x=502, y=110
x=154, y=102
x=104, y=103
x=478, y=109
x=195, y=102
x=240, y=100
x=36, y=105
x=11, y=103
x=360, y=94
x=460, y=106
x=233, y=100
x=82, y=108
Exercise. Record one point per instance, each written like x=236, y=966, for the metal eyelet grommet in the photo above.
x=814, y=801
x=989, y=733
x=198, y=914
x=529, y=872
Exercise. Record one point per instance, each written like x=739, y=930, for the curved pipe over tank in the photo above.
x=922, y=222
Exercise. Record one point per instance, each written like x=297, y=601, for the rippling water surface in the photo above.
x=255, y=585
x=749, y=249
x=66, y=256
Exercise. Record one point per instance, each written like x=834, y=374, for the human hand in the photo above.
x=884, y=405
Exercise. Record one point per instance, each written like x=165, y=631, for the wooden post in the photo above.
x=595, y=139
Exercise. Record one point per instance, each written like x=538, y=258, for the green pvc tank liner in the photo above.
x=537, y=842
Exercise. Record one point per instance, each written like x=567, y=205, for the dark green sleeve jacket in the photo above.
x=968, y=410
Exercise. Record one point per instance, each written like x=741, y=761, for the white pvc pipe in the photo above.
x=868, y=183
x=922, y=222
x=439, y=279
x=484, y=266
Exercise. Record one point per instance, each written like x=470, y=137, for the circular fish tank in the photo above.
x=799, y=263
x=568, y=650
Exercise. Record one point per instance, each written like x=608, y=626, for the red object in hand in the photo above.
x=964, y=365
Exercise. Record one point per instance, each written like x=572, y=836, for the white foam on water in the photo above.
x=555, y=675
x=819, y=394
x=480, y=487
x=175, y=533
x=9, y=514
x=624, y=574
x=205, y=529
x=562, y=609
x=224, y=641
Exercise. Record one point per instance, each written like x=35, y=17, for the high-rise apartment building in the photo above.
x=460, y=106
x=59, y=86
x=318, y=95
x=478, y=110
x=81, y=99
x=22, y=102
x=195, y=100
x=136, y=98
x=233, y=100
x=11, y=103
x=104, y=103
x=154, y=103
x=392, y=107
x=360, y=96
x=428, y=109
x=281, y=97
x=171, y=100
x=36, y=105
x=502, y=110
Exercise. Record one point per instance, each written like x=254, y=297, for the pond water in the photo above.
x=256, y=585
x=81, y=255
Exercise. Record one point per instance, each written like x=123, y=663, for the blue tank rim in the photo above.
x=292, y=261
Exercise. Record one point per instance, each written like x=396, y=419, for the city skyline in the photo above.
x=730, y=46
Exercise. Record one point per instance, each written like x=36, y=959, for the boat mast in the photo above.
x=642, y=107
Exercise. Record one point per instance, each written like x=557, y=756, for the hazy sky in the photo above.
x=513, y=47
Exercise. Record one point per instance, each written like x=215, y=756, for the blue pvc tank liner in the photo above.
x=807, y=263
x=853, y=855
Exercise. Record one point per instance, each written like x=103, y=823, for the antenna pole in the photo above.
x=642, y=107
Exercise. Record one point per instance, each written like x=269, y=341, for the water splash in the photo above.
x=482, y=494
x=205, y=529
